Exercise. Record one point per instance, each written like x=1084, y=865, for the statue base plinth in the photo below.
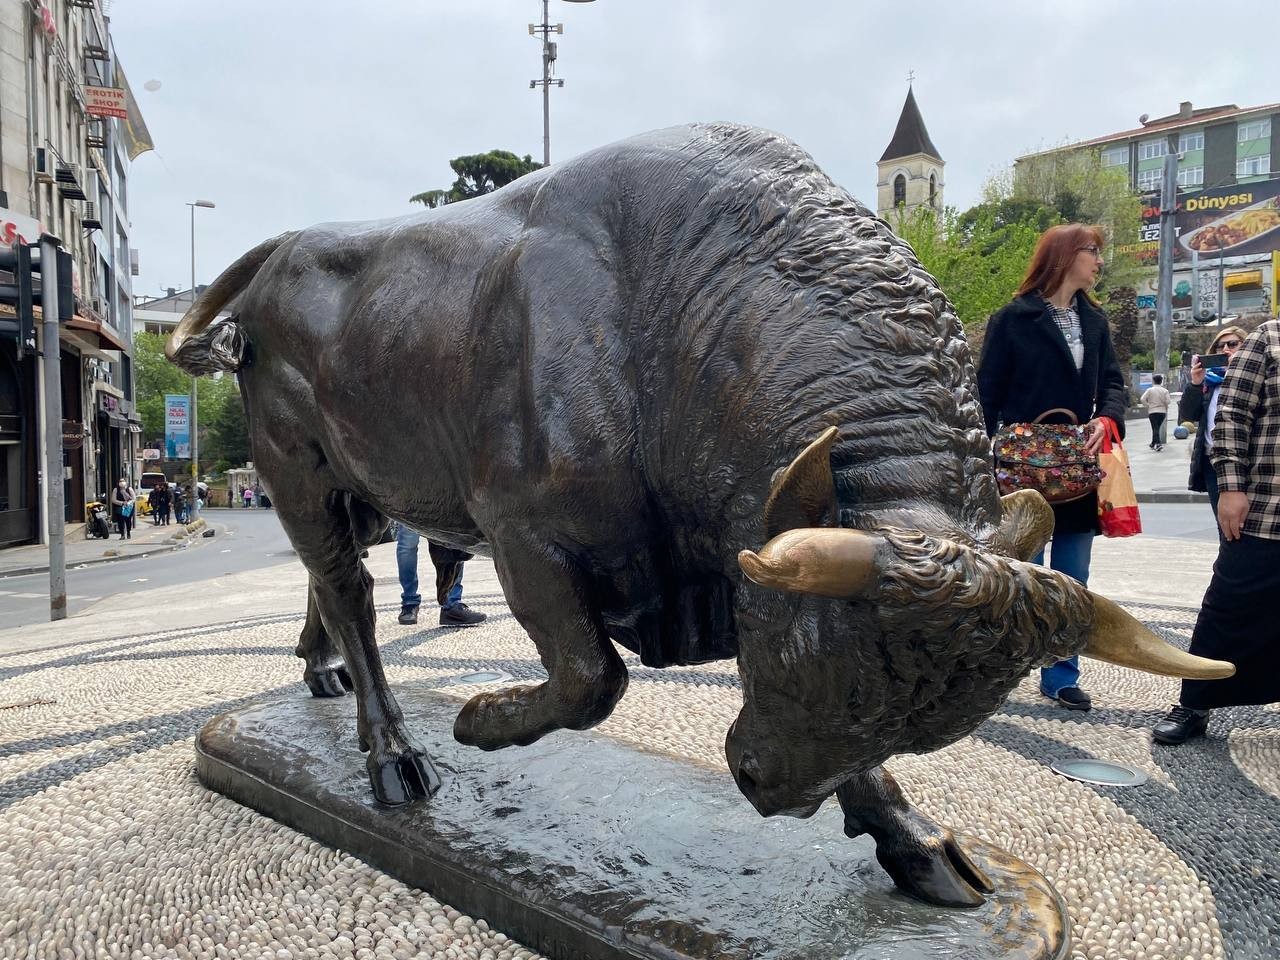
x=581, y=847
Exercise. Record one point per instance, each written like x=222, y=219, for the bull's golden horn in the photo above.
x=1026, y=524
x=1120, y=639
x=825, y=561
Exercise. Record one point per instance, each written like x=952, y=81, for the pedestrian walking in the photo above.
x=247, y=494
x=1199, y=404
x=1237, y=619
x=179, y=504
x=164, y=499
x=153, y=501
x=1049, y=349
x=1156, y=399
x=122, y=506
x=448, y=564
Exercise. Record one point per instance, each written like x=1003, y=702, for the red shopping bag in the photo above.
x=1117, y=502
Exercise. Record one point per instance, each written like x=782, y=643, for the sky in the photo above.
x=290, y=113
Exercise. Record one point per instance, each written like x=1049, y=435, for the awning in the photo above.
x=114, y=419
x=1252, y=278
x=108, y=339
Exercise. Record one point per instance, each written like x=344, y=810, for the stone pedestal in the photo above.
x=581, y=847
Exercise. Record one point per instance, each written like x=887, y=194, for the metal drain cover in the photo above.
x=484, y=676
x=1103, y=773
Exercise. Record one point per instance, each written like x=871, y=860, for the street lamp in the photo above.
x=548, y=58
x=195, y=436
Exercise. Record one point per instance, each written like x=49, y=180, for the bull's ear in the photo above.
x=1026, y=526
x=803, y=493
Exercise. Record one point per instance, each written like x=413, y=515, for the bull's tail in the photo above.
x=201, y=346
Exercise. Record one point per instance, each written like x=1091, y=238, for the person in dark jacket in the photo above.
x=1048, y=349
x=1198, y=405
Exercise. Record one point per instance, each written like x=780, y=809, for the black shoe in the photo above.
x=1181, y=725
x=1073, y=698
x=460, y=615
x=408, y=615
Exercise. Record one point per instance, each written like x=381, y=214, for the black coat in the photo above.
x=1027, y=368
x=1194, y=406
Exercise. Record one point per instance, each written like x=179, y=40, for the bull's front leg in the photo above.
x=549, y=596
x=923, y=857
x=325, y=672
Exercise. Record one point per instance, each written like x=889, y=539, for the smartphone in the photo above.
x=1214, y=360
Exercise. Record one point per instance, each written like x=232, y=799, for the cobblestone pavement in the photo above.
x=109, y=846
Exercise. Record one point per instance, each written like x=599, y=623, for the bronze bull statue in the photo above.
x=609, y=376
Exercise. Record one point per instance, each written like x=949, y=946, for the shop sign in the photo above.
x=151, y=453
x=1235, y=221
x=18, y=227
x=107, y=403
x=105, y=102
x=177, y=426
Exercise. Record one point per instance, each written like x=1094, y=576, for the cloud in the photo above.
x=291, y=113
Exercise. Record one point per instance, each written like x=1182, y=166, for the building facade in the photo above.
x=1228, y=217
x=910, y=172
x=64, y=171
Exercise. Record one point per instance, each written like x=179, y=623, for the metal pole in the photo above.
x=546, y=84
x=194, y=507
x=1221, y=271
x=1164, y=299
x=54, y=471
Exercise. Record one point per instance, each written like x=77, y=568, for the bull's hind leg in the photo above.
x=923, y=857
x=325, y=672
x=548, y=594
x=325, y=527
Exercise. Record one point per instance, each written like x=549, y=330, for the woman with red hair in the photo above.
x=1051, y=348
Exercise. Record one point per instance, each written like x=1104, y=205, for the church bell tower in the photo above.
x=910, y=171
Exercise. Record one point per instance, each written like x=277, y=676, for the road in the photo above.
x=246, y=540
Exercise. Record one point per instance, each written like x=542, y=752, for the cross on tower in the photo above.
x=911, y=75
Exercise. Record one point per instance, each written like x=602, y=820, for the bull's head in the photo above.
x=885, y=640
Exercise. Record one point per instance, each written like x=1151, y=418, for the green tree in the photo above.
x=477, y=174
x=1075, y=185
x=220, y=414
x=978, y=257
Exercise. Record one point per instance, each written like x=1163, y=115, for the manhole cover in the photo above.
x=484, y=676
x=1101, y=772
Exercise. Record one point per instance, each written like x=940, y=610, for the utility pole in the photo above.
x=1164, y=297
x=1221, y=275
x=545, y=29
x=54, y=472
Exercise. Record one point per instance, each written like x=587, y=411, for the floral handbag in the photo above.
x=1048, y=457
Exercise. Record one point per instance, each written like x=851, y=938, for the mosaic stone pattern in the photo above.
x=110, y=847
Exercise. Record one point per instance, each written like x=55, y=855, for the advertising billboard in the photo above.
x=1236, y=221
x=177, y=426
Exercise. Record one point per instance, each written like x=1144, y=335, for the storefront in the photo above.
x=19, y=449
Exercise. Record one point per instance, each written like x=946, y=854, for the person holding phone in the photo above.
x=1199, y=404
x=1237, y=619
x=1050, y=348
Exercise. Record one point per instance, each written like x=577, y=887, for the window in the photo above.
x=933, y=189
x=1150, y=179
x=1191, y=177
x=1151, y=149
x=1258, y=130
x=1253, y=166
x=899, y=190
x=1191, y=141
x=1115, y=156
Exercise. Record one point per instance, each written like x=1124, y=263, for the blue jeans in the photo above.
x=1070, y=554
x=407, y=562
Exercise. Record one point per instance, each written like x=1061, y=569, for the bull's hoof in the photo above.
x=328, y=681
x=402, y=779
x=927, y=862
x=508, y=718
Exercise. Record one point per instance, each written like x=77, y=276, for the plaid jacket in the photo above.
x=1246, y=432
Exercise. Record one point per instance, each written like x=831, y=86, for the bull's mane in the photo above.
x=762, y=248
